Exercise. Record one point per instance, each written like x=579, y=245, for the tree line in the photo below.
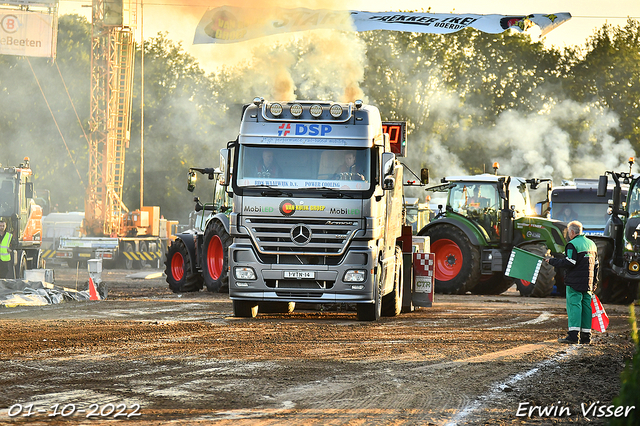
x=469, y=98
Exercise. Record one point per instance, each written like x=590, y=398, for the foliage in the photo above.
x=37, y=114
x=470, y=99
x=609, y=73
x=630, y=378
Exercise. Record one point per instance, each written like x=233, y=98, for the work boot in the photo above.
x=572, y=338
x=585, y=338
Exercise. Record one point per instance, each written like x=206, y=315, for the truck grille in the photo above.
x=301, y=236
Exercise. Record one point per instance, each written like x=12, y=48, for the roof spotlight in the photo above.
x=296, y=110
x=276, y=109
x=335, y=110
x=315, y=110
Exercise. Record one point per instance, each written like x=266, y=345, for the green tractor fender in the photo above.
x=470, y=229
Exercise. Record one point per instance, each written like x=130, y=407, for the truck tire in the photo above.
x=245, y=309
x=126, y=262
x=457, y=264
x=497, y=283
x=617, y=291
x=22, y=265
x=178, y=269
x=215, y=253
x=276, y=307
x=546, y=276
x=143, y=262
x=392, y=302
x=372, y=311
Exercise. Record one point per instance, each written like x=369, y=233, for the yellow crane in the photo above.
x=112, y=232
x=112, y=56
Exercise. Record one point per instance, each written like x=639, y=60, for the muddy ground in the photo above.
x=148, y=356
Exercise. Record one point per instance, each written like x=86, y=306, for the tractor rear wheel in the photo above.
x=546, y=276
x=493, y=284
x=216, y=257
x=178, y=269
x=617, y=291
x=457, y=264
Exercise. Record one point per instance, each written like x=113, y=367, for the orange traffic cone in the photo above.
x=93, y=293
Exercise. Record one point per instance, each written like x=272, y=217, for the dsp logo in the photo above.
x=287, y=208
x=286, y=129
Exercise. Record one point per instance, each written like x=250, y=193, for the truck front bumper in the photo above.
x=313, y=283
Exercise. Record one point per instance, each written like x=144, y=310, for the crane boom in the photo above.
x=112, y=55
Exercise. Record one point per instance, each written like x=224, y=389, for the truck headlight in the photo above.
x=629, y=246
x=355, y=276
x=244, y=273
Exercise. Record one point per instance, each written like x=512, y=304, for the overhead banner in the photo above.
x=25, y=33
x=228, y=24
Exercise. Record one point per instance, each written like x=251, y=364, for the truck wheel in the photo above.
x=216, y=257
x=493, y=284
x=245, y=309
x=276, y=307
x=143, y=262
x=372, y=311
x=457, y=264
x=546, y=276
x=22, y=266
x=617, y=291
x=392, y=302
x=178, y=269
x=125, y=261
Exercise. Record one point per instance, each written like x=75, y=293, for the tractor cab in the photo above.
x=485, y=217
x=483, y=198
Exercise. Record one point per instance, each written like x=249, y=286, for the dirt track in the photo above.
x=184, y=359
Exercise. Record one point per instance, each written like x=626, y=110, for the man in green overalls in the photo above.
x=5, y=250
x=581, y=262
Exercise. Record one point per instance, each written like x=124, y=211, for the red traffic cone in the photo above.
x=599, y=318
x=93, y=293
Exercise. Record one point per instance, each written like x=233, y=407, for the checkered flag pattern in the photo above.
x=423, y=264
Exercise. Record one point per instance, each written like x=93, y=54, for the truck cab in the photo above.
x=578, y=200
x=317, y=208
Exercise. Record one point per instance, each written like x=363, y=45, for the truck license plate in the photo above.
x=300, y=274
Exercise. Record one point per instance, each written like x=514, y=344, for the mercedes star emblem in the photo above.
x=300, y=234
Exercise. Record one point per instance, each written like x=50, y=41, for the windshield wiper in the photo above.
x=273, y=191
x=334, y=193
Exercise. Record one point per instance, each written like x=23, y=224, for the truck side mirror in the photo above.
x=602, y=186
x=388, y=165
x=224, y=167
x=191, y=181
x=424, y=176
x=28, y=190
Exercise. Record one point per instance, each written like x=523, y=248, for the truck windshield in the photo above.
x=591, y=215
x=7, y=196
x=303, y=168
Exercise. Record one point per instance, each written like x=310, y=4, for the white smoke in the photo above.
x=534, y=144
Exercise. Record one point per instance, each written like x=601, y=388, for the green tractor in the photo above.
x=619, y=248
x=485, y=217
x=199, y=256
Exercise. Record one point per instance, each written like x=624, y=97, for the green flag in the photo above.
x=524, y=265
